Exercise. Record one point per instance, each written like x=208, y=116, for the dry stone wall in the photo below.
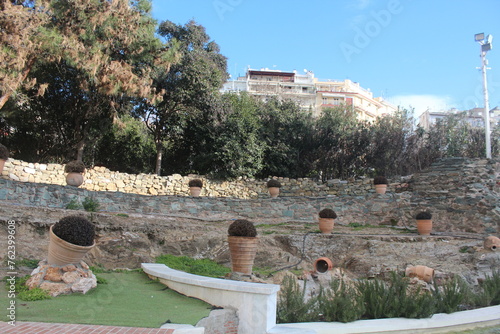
x=462, y=194
x=102, y=179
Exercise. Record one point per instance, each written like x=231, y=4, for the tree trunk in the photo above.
x=159, y=155
x=79, y=150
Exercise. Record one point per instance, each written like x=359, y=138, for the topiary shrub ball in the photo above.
x=272, y=183
x=195, y=183
x=380, y=180
x=327, y=213
x=76, y=230
x=242, y=228
x=423, y=215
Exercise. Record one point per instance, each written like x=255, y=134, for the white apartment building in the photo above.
x=312, y=94
x=475, y=117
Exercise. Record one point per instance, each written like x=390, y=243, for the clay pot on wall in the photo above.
x=422, y=272
x=492, y=243
x=70, y=240
x=380, y=183
x=4, y=156
x=326, y=220
x=75, y=170
x=424, y=223
x=273, y=186
x=243, y=241
x=195, y=186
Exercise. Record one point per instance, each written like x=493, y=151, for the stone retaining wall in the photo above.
x=102, y=179
x=462, y=194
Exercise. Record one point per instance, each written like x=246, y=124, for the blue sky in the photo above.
x=418, y=53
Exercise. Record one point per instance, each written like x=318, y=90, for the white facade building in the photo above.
x=310, y=93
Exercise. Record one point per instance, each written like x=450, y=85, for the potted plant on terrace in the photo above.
x=326, y=220
x=70, y=239
x=75, y=170
x=242, y=239
x=273, y=186
x=424, y=222
x=380, y=183
x=4, y=156
x=195, y=186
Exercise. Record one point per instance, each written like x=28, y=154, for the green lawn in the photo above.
x=128, y=299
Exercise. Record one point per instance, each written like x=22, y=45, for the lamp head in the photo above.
x=479, y=37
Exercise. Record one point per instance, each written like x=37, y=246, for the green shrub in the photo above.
x=341, y=302
x=90, y=204
x=33, y=294
x=73, y=205
x=202, y=267
x=393, y=299
x=291, y=304
x=489, y=291
x=450, y=296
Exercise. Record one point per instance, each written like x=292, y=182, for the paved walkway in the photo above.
x=54, y=328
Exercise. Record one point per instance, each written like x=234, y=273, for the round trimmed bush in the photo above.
x=423, y=215
x=272, y=183
x=76, y=230
x=242, y=228
x=75, y=166
x=380, y=180
x=195, y=183
x=327, y=213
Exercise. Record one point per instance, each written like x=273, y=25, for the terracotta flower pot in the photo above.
x=195, y=191
x=2, y=164
x=242, y=250
x=424, y=226
x=74, y=179
x=422, y=272
x=492, y=243
x=62, y=252
x=380, y=188
x=274, y=191
x=326, y=225
x=322, y=265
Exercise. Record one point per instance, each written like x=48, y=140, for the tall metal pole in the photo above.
x=486, y=105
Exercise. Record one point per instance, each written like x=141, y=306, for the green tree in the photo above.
x=342, y=143
x=112, y=47
x=238, y=148
x=190, y=86
x=387, y=151
x=127, y=148
x=289, y=139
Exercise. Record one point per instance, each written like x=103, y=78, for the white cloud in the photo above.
x=420, y=103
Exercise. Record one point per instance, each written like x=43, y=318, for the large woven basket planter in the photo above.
x=243, y=250
x=62, y=252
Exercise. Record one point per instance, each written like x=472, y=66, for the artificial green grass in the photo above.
x=128, y=299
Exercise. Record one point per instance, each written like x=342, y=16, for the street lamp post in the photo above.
x=485, y=47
